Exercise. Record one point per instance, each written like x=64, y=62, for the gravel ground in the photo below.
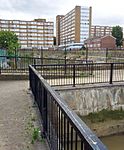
x=17, y=117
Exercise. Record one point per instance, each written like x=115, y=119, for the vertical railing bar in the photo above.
x=76, y=140
x=64, y=132
x=82, y=146
x=49, y=117
x=67, y=135
x=59, y=131
x=57, y=124
x=111, y=73
x=71, y=138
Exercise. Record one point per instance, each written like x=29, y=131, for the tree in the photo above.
x=118, y=34
x=9, y=41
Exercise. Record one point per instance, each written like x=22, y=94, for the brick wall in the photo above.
x=108, y=42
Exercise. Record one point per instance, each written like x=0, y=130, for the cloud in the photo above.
x=107, y=12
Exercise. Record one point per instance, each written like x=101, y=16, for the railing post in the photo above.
x=111, y=73
x=65, y=64
x=34, y=63
x=74, y=75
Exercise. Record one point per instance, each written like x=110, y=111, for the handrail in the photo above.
x=87, y=137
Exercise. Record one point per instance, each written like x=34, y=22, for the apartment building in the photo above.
x=99, y=31
x=37, y=33
x=74, y=27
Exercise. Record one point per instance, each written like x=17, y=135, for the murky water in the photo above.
x=115, y=142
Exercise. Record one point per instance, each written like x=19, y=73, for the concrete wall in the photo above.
x=87, y=100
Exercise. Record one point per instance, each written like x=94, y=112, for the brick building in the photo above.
x=36, y=33
x=99, y=31
x=104, y=42
x=74, y=27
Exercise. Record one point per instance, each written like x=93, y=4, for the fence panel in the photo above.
x=78, y=74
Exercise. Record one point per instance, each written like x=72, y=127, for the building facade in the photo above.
x=104, y=42
x=74, y=27
x=99, y=31
x=37, y=33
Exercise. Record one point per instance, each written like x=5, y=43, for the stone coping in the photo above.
x=87, y=86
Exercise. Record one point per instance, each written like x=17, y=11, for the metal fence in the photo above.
x=64, y=71
x=63, y=129
x=76, y=74
x=16, y=64
x=11, y=64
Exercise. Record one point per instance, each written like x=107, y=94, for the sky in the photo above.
x=104, y=12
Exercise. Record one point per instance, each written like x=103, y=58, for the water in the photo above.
x=115, y=142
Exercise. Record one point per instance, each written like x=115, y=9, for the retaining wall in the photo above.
x=93, y=99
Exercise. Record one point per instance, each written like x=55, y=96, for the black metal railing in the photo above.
x=17, y=64
x=63, y=129
x=65, y=74
x=75, y=74
x=12, y=64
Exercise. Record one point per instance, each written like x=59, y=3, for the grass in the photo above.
x=104, y=115
x=36, y=135
x=33, y=131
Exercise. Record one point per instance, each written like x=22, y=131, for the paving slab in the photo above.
x=17, y=117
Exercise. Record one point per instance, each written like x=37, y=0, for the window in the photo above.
x=15, y=21
x=5, y=25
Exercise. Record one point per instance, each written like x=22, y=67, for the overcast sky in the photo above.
x=105, y=12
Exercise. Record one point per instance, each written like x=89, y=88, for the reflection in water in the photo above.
x=115, y=142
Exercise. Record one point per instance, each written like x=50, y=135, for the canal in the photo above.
x=115, y=142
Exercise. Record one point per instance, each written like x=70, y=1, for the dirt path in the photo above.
x=15, y=116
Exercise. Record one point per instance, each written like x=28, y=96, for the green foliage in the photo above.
x=36, y=135
x=33, y=131
x=9, y=41
x=105, y=115
x=118, y=34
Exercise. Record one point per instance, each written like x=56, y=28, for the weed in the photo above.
x=36, y=135
x=33, y=131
